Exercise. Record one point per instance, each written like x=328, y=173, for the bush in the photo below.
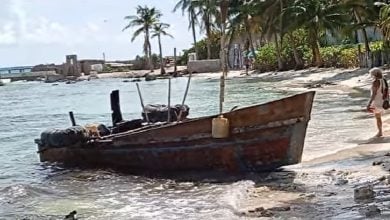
x=266, y=58
x=330, y=55
x=349, y=58
x=344, y=56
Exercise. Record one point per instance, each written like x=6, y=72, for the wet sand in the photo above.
x=324, y=187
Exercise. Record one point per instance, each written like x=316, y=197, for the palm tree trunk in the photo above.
x=149, y=49
x=150, y=58
x=278, y=53
x=298, y=60
x=208, y=33
x=162, y=70
x=313, y=41
x=248, y=32
x=365, y=37
x=232, y=33
x=194, y=32
x=146, y=52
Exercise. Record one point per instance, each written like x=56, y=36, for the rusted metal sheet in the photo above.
x=262, y=137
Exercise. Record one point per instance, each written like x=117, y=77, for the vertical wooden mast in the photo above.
x=224, y=6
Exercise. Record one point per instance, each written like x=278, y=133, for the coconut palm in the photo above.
x=244, y=19
x=207, y=10
x=272, y=23
x=159, y=30
x=145, y=18
x=188, y=6
x=363, y=12
x=384, y=21
x=317, y=16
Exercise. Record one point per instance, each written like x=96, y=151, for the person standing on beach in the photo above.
x=375, y=105
x=247, y=63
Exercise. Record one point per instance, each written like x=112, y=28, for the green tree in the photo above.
x=317, y=16
x=158, y=30
x=364, y=15
x=146, y=18
x=207, y=10
x=384, y=21
x=244, y=20
x=188, y=6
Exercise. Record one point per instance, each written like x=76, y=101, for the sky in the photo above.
x=44, y=31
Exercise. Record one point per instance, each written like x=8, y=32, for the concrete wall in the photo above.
x=204, y=66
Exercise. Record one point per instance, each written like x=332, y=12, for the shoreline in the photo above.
x=319, y=188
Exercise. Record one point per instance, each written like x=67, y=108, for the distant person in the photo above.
x=379, y=92
x=247, y=63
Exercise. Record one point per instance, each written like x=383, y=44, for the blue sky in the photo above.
x=44, y=31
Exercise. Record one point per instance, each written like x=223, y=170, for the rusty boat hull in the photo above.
x=262, y=137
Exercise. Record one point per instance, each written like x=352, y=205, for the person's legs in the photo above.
x=378, y=117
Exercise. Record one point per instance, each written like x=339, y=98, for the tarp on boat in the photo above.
x=159, y=113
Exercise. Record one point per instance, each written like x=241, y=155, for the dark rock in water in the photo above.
x=71, y=215
x=280, y=209
x=159, y=113
x=149, y=77
x=376, y=163
x=136, y=80
x=387, y=154
x=364, y=193
x=125, y=81
x=370, y=211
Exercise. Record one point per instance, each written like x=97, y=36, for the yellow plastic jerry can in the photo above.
x=220, y=127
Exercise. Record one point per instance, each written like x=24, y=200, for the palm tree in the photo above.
x=207, y=9
x=317, y=16
x=363, y=12
x=271, y=13
x=146, y=18
x=384, y=21
x=187, y=5
x=158, y=30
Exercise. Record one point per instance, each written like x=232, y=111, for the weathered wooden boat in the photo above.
x=261, y=137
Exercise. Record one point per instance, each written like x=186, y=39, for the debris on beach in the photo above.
x=319, y=84
x=370, y=211
x=364, y=193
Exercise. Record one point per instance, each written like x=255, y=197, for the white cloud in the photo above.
x=19, y=27
x=7, y=34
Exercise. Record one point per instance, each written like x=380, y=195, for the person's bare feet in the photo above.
x=379, y=134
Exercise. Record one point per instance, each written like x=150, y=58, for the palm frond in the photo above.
x=137, y=33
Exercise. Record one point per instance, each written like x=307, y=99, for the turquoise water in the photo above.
x=34, y=190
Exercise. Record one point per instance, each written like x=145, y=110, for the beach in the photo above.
x=324, y=187
x=340, y=155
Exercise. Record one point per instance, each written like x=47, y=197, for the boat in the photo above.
x=261, y=137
